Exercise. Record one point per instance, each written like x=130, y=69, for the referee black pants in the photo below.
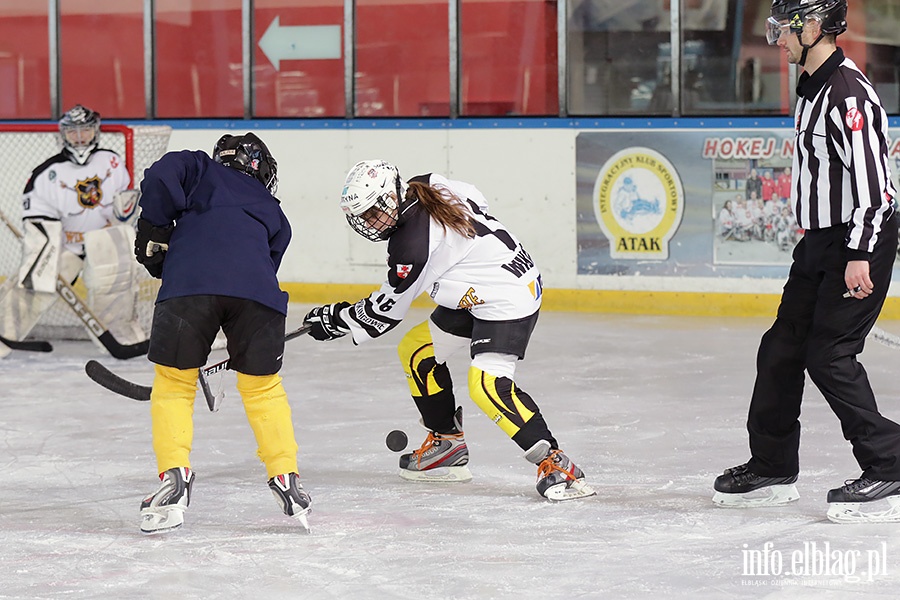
x=819, y=331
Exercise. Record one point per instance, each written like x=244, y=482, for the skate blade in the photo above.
x=161, y=520
x=886, y=510
x=773, y=495
x=438, y=475
x=303, y=518
x=561, y=492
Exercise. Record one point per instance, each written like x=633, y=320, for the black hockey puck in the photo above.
x=396, y=440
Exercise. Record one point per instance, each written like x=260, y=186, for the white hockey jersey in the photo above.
x=490, y=275
x=79, y=196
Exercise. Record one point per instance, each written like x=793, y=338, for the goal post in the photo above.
x=28, y=145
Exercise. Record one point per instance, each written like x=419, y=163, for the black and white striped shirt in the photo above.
x=841, y=172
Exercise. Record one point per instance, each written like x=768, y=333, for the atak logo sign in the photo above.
x=638, y=201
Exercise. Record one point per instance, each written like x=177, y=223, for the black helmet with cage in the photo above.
x=248, y=154
x=792, y=15
x=80, y=132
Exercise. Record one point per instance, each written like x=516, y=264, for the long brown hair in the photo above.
x=443, y=206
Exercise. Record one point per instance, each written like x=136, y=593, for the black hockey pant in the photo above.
x=821, y=332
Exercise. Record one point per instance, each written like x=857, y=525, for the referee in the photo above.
x=843, y=197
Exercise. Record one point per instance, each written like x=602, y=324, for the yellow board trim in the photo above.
x=711, y=304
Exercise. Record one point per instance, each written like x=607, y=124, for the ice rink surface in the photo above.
x=652, y=408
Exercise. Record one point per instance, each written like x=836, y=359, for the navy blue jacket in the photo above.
x=230, y=232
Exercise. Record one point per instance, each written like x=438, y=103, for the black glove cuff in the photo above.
x=336, y=319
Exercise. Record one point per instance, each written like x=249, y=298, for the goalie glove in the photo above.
x=326, y=322
x=125, y=205
x=151, y=244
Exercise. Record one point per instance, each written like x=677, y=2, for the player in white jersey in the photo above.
x=77, y=212
x=442, y=241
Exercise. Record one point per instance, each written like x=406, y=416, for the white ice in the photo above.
x=652, y=408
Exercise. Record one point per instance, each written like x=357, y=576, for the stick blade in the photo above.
x=28, y=345
x=106, y=378
x=121, y=351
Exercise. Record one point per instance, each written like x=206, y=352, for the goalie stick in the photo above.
x=90, y=320
x=28, y=345
x=106, y=378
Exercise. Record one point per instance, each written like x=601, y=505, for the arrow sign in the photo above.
x=300, y=42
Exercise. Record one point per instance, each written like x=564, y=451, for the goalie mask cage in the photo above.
x=32, y=144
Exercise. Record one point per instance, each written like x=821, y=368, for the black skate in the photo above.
x=293, y=499
x=880, y=499
x=164, y=509
x=738, y=487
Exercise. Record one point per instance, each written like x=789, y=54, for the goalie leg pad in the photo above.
x=269, y=414
x=172, y=416
x=110, y=278
x=40, y=255
x=21, y=309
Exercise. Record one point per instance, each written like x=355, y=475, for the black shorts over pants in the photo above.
x=504, y=337
x=185, y=328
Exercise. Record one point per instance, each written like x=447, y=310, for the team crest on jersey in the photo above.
x=638, y=202
x=854, y=119
x=89, y=192
x=403, y=271
x=469, y=300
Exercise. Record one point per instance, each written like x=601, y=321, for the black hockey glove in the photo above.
x=150, y=246
x=326, y=323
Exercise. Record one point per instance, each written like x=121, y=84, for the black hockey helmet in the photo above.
x=831, y=13
x=80, y=132
x=248, y=154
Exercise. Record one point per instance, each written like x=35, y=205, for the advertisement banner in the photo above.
x=694, y=202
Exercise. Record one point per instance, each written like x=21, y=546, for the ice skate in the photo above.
x=738, y=487
x=163, y=510
x=558, y=478
x=441, y=458
x=293, y=499
x=865, y=500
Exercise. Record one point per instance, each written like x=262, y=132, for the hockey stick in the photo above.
x=883, y=337
x=28, y=345
x=106, y=378
x=90, y=320
x=214, y=400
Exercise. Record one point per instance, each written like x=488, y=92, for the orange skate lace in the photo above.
x=548, y=465
x=429, y=442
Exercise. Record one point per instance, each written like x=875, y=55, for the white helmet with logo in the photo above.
x=371, y=198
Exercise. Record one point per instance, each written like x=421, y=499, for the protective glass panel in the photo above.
x=24, y=66
x=102, y=56
x=508, y=58
x=298, y=62
x=618, y=55
x=198, y=59
x=402, y=59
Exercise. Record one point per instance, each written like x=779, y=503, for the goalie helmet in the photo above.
x=371, y=199
x=248, y=154
x=80, y=132
x=793, y=14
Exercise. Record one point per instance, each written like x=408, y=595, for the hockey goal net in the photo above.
x=32, y=144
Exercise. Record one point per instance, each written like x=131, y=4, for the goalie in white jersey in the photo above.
x=77, y=210
x=442, y=241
